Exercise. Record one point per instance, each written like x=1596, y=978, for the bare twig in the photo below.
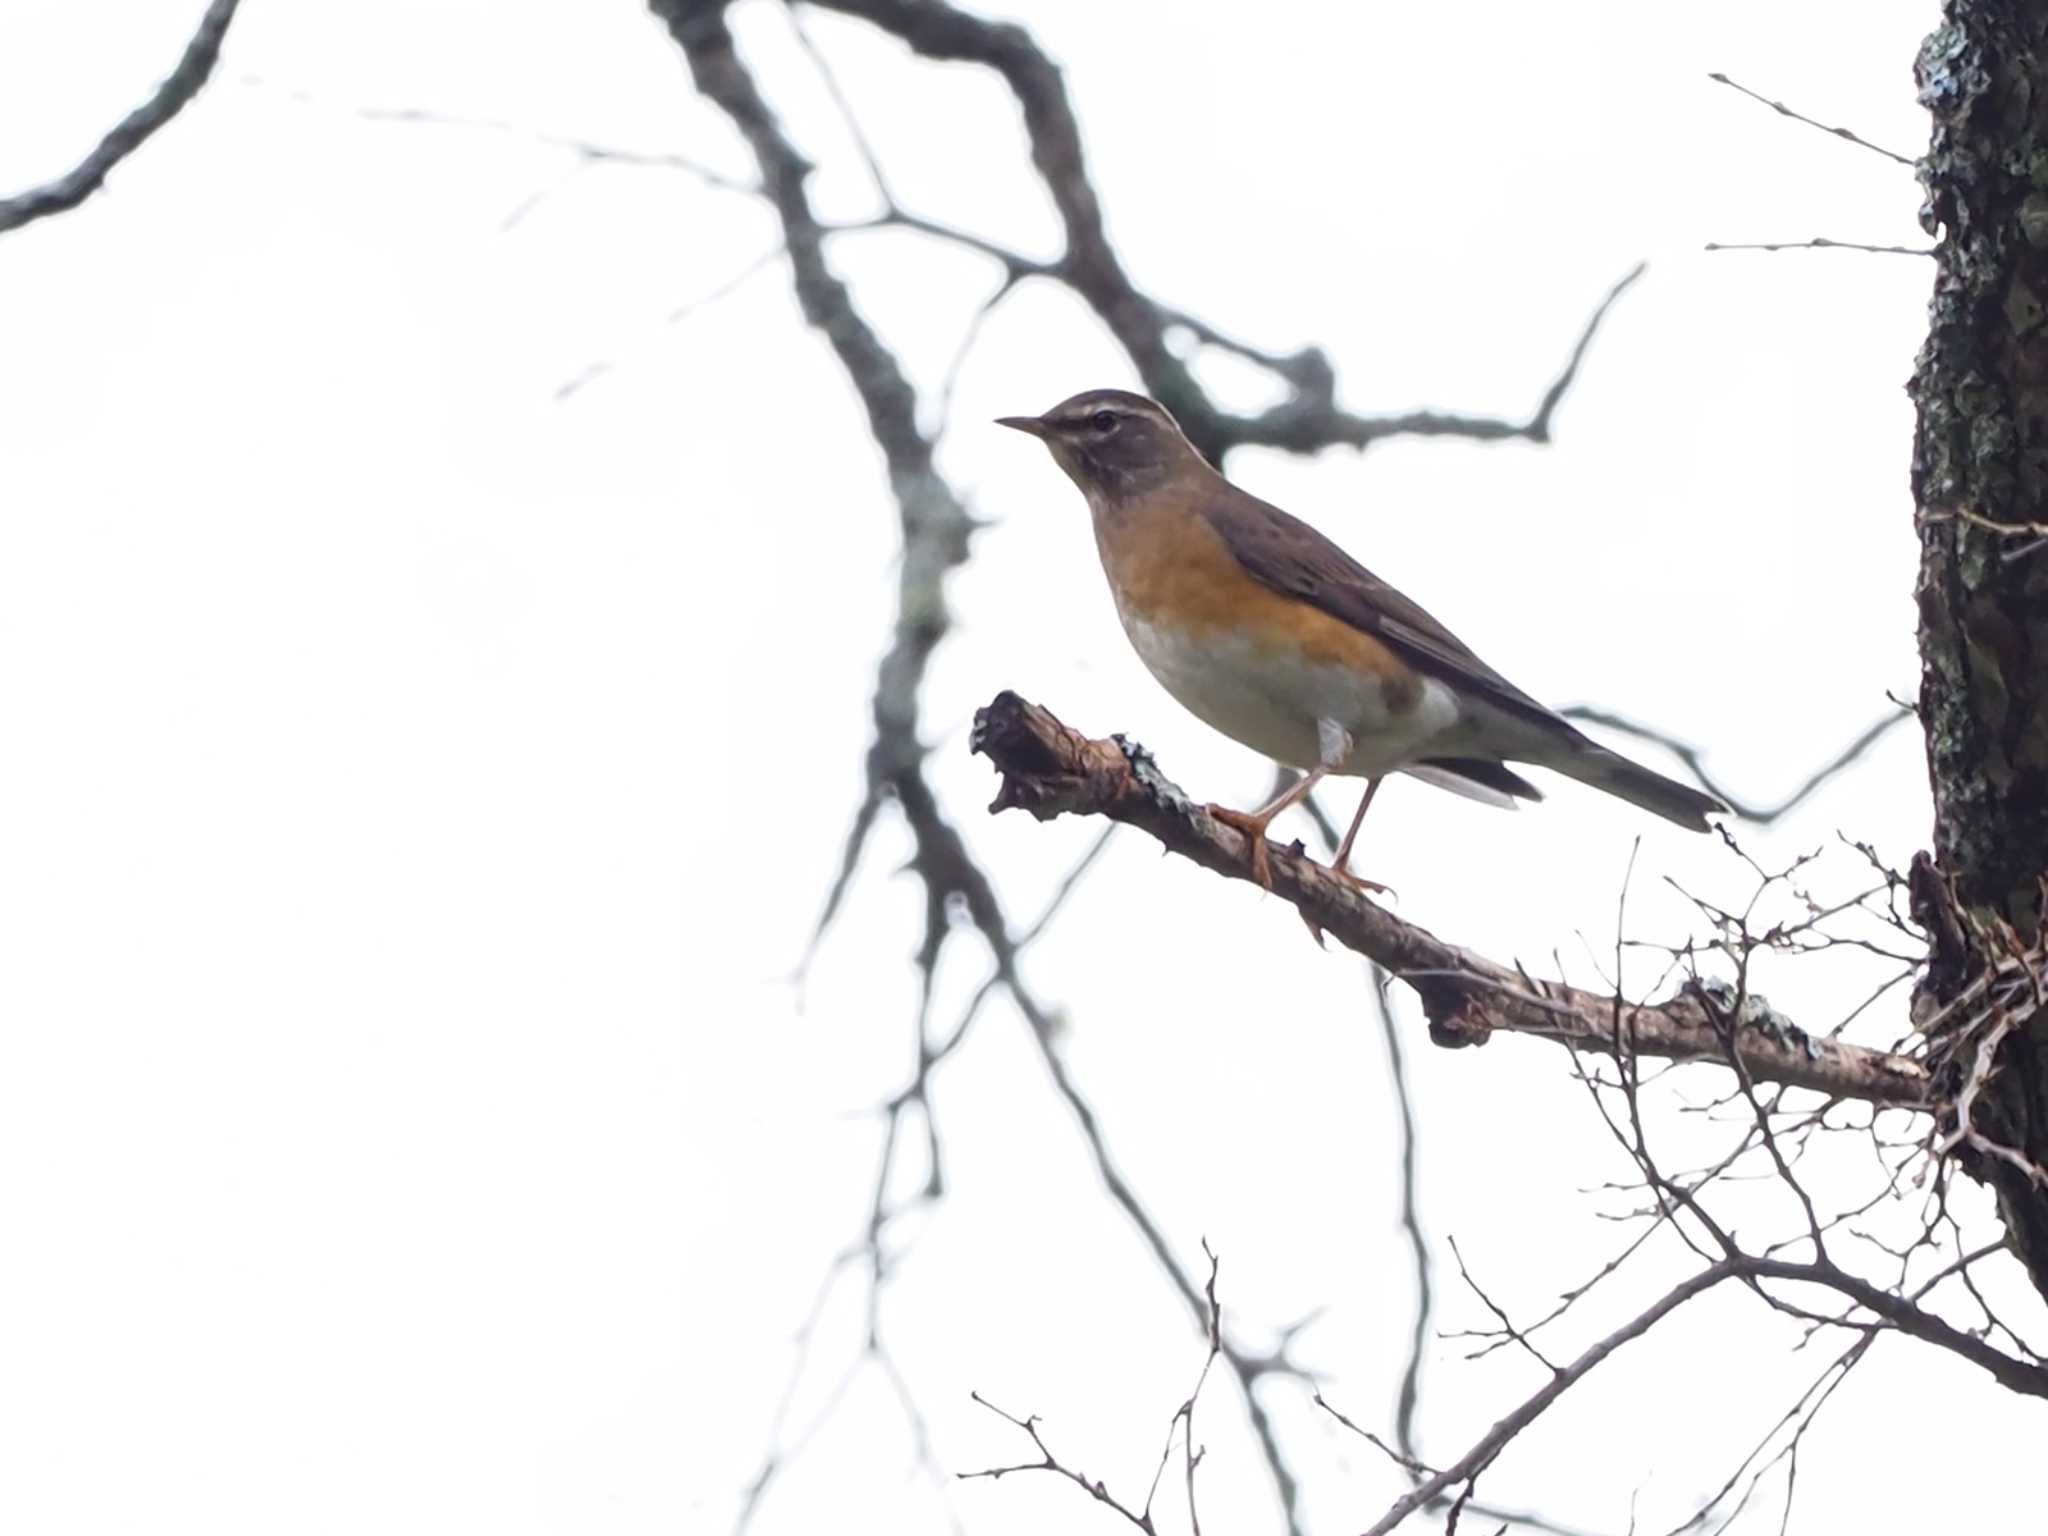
x=193, y=69
x=1398, y=1457
x=1896, y=1311
x=1248, y=1369
x=1695, y=759
x=1525, y=1413
x=585, y=151
x=1181, y=1426
x=841, y=103
x=1539, y=424
x=1800, y=117
x=1410, y=1395
x=1818, y=243
x=591, y=372
x=1048, y=1462
x=1508, y=1330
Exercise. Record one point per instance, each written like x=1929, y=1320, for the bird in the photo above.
x=1267, y=631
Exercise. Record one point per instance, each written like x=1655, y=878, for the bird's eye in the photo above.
x=1103, y=421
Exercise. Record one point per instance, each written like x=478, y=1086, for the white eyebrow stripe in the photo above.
x=1083, y=409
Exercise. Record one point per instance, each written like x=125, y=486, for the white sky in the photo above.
x=418, y=789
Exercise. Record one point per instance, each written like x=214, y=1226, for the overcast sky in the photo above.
x=436, y=676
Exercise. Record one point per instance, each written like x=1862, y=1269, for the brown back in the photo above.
x=1289, y=556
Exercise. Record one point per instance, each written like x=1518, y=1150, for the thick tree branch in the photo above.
x=128, y=135
x=935, y=529
x=936, y=525
x=1050, y=770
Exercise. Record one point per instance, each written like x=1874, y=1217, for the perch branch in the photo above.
x=1051, y=770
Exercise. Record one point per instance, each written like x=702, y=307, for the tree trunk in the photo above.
x=1980, y=477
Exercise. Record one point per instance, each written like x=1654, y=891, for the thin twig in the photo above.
x=1800, y=117
x=1694, y=759
x=1490, y=1444
x=1410, y=1395
x=1819, y=243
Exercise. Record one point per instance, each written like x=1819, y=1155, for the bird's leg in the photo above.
x=1340, y=865
x=1253, y=824
x=1333, y=746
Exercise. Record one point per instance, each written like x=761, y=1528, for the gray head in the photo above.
x=1112, y=443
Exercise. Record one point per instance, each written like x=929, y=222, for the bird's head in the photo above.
x=1112, y=444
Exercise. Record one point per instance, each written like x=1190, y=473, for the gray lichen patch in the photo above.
x=1145, y=769
x=1752, y=1010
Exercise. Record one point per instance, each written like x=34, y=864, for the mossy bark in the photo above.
x=1980, y=476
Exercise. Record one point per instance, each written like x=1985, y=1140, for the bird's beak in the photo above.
x=1031, y=424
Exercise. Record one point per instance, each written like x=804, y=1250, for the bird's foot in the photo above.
x=1360, y=883
x=1254, y=829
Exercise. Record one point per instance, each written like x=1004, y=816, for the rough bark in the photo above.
x=1980, y=482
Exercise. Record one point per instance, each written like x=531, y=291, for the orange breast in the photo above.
x=1170, y=569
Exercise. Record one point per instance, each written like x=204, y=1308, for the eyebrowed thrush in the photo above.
x=1266, y=630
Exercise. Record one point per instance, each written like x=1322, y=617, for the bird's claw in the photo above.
x=1361, y=884
x=1254, y=830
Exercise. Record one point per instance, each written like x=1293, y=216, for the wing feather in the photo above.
x=1289, y=556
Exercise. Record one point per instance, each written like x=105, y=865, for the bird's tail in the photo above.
x=1590, y=763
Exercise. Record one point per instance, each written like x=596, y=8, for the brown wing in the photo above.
x=1289, y=556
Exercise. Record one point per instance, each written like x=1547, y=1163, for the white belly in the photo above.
x=1272, y=702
